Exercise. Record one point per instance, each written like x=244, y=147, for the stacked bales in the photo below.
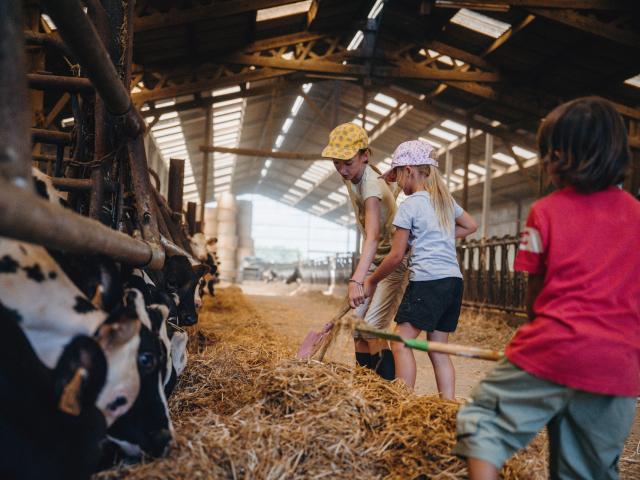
x=210, y=222
x=245, y=409
x=244, y=219
x=227, y=237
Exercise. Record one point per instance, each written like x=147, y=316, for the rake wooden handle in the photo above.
x=328, y=339
x=428, y=346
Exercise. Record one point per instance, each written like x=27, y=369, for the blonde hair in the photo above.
x=433, y=183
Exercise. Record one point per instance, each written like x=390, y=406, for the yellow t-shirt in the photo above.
x=372, y=186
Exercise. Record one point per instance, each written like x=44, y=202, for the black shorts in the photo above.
x=432, y=305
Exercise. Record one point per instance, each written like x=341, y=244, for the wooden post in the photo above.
x=176, y=182
x=448, y=166
x=364, y=106
x=191, y=217
x=486, y=191
x=208, y=140
x=467, y=159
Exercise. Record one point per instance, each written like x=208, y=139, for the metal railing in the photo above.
x=487, y=268
x=489, y=278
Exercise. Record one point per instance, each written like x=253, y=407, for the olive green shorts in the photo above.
x=508, y=408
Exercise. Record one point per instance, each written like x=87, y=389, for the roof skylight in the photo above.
x=523, y=152
x=633, y=81
x=283, y=11
x=356, y=40
x=386, y=99
x=378, y=109
x=504, y=158
x=438, y=132
x=456, y=127
x=480, y=23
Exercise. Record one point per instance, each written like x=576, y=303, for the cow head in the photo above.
x=146, y=427
x=119, y=337
x=180, y=280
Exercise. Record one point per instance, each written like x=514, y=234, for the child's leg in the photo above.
x=481, y=469
x=403, y=356
x=363, y=356
x=443, y=367
x=587, y=437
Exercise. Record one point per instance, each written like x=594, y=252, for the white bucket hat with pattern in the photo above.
x=412, y=152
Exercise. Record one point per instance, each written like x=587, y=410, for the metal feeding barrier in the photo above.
x=489, y=278
x=487, y=267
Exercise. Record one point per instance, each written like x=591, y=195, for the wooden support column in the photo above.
x=364, y=106
x=191, y=218
x=467, y=159
x=486, y=191
x=448, y=166
x=176, y=183
x=208, y=140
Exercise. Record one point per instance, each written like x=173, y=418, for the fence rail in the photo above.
x=487, y=268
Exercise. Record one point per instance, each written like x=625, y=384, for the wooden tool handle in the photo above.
x=454, y=349
x=328, y=339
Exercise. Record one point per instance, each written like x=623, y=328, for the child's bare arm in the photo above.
x=534, y=285
x=391, y=261
x=465, y=225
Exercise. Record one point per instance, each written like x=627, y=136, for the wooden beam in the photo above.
x=459, y=54
x=202, y=85
x=502, y=39
x=283, y=41
x=317, y=110
x=250, y=152
x=217, y=9
x=405, y=70
x=590, y=25
x=551, y=4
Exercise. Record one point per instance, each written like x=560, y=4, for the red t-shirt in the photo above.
x=586, y=331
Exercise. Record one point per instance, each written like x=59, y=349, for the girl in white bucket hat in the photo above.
x=429, y=221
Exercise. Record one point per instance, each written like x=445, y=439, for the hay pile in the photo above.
x=244, y=409
x=482, y=328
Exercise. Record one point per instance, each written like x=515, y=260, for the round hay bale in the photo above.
x=226, y=228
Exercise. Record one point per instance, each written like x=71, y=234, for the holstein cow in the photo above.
x=204, y=251
x=50, y=427
x=51, y=310
x=146, y=427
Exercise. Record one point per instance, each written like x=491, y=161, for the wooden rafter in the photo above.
x=217, y=9
x=251, y=152
x=189, y=88
x=551, y=4
x=591, y=25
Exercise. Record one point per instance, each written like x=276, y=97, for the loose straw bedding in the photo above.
x=246, y=409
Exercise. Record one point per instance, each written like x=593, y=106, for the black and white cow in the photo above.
x=51, y=310
x=49, y=426
x=146, y=427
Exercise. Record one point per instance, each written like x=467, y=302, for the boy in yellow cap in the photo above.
x=374, y=207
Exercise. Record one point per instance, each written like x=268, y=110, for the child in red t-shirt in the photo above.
x=575, y=367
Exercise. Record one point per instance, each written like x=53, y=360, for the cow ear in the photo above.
x=71, y=398
x=116, y=333
x=200, y=270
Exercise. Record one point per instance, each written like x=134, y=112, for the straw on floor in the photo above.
x=245, y=409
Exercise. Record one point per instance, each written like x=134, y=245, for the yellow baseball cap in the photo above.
x=344, y=142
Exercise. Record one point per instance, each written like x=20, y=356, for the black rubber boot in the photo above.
x=386, y=367
x=363, y=359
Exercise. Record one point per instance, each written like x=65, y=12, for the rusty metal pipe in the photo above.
x=32, y=219
x=46, y=39
x=78, y=184
x=14, y=104
x=81, y=37
x=143, y=191
x=39, y=135
x=63, y=83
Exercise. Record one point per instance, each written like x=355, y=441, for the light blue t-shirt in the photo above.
x=433, y=250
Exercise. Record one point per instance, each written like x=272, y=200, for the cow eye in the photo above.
x=146, y=361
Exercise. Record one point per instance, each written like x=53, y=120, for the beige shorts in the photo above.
x=379, y=310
